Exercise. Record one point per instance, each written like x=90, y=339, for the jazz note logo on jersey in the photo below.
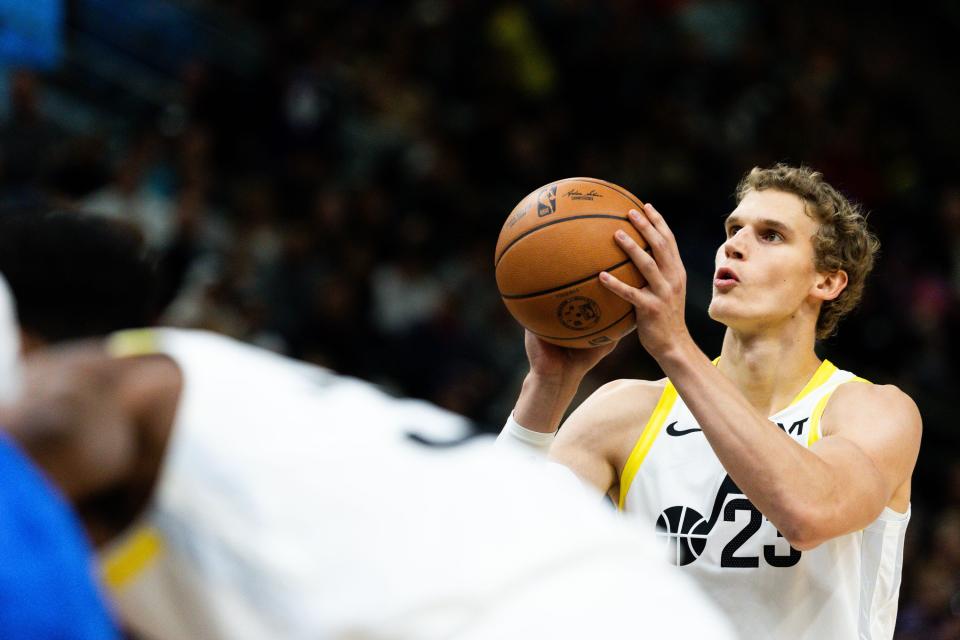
x=687, y=531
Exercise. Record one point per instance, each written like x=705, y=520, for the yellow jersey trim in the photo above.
x=124, y=563
x=820, y=376
x=818, y=410
x=823, y=373
x=133, y=342
x=645, y=441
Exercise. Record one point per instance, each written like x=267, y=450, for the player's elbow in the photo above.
x=803, y=540
x=801, y=528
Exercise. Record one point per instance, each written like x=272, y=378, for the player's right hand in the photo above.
x=562, y=365
x=555, y=375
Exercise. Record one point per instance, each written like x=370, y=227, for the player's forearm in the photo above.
x=782, y=479
x=543, y=402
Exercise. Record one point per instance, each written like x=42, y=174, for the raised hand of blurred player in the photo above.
x=659, y=305
x=555, y=375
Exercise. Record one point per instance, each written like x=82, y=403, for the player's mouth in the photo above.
x=725, y=279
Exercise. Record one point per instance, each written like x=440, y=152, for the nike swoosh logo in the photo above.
x=673, y=432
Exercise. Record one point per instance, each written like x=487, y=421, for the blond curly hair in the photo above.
x=843, y=240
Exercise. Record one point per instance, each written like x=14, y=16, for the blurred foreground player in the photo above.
x=778, y=481
x=239, y=494
x=47, y=588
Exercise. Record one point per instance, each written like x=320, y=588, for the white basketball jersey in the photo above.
x=9, y=346
x=293, y=504
x=675, y=485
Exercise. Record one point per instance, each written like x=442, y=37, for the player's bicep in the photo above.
x=858, y=488
x=883, y=423
x=870, y=445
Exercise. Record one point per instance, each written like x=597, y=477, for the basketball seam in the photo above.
x=522, y=296
x=586, y=335
x=550, y=224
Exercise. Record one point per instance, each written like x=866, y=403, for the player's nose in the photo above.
x=734, y=247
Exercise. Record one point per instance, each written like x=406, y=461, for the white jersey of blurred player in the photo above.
x=9, y=346
x=292, y=503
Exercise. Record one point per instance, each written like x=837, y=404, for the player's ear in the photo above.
x=829, y=285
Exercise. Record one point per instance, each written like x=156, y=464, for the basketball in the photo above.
x=549, y=256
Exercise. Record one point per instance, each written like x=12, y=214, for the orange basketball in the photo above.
x=551, y=251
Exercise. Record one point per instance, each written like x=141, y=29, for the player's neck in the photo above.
x=770, y=369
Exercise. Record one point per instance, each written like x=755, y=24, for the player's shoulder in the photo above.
x=618, y=405
x=873, y=402
x=882, y=397
x=80, y=361
x=629, y=394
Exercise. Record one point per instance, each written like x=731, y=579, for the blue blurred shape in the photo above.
x=31, y=33
x=47, y=589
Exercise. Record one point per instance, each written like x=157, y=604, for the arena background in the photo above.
x=329, y=178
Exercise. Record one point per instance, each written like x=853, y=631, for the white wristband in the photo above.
x=515, y=436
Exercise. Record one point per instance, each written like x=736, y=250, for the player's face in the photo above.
x=765, y=268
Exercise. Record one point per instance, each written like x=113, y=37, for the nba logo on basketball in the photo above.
x=547, y=201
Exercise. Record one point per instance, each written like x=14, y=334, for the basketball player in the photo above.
x=47, y=587
x=780, y=482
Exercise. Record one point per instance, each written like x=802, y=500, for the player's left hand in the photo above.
x=660, y=304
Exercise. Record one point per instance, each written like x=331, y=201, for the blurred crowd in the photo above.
x=337, y=196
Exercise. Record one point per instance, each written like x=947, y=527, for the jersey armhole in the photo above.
x=127, y=558
x=818, y=410
x=133, y=342
x=650, y=432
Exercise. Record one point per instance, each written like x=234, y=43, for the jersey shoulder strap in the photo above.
x=828, y=387
x=650, y=432
x=133, y=342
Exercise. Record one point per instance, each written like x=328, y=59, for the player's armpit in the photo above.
x=869, y=449
x=597, y=437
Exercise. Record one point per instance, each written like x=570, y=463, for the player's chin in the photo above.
x=723, y=309
x=717, y=307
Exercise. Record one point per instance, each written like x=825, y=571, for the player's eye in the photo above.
x=732, y=230
x=771, y=236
